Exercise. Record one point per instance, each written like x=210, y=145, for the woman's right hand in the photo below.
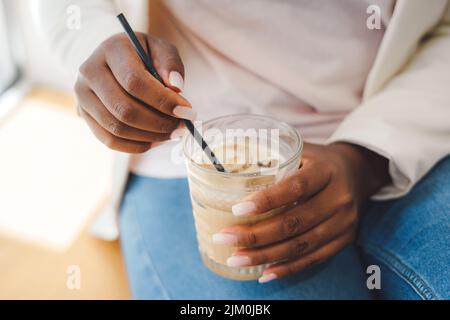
x=124, y=105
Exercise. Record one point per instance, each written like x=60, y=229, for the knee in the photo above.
x=411, y=235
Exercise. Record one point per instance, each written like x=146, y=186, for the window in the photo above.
x=8, y=69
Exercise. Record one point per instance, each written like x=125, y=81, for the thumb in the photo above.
x=167, y=62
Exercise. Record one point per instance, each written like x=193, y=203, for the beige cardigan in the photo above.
x=404, y=115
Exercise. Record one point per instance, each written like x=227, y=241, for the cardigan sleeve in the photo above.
x=74, y=28
x=408, y=121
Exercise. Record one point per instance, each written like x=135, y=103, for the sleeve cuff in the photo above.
x=380, y=138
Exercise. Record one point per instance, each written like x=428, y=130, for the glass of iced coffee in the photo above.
x=256, y=152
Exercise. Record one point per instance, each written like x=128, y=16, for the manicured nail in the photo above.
x=238, y=261
x=224, y=238
x=267, y=277
x=243, y=208
x=184, y=113
x=178, y=133
x=176, y=80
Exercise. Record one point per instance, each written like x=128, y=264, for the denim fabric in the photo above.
x=408, y=238
x=162, y=259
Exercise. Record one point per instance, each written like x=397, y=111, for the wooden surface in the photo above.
x=30, y=271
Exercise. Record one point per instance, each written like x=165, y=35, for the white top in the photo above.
x=404, y=113
x=301, y=62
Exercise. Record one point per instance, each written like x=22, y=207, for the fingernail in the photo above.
x=178, y=133
x=184, y=113
x=224, y=238
x=176, y=80
x=238, y=261
x=243, y=208
x=267, y=277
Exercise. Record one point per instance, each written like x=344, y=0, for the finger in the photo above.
x=280, y=270
x=121, y=105
x=112, y=142
x=90, y=103
x=294, y=221
x=340, y=223
x=130, y=72
x=167, y=62
x=307, y=181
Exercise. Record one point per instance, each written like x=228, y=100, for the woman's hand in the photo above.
x=123, y=104
x=328, y=188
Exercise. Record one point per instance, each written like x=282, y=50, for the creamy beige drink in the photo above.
x=251, y=164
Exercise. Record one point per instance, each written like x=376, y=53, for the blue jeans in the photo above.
x=408, y=238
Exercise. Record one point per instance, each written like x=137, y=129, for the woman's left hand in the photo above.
x=328, y=188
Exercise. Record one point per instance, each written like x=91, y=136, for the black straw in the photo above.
x=149, y=65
